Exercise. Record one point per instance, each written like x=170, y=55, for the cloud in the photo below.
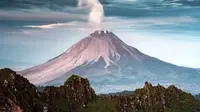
x=146, y=22
x=96, y=10
x=50, y=4
x=69, y=25
x=40, y=15
x=156, y=4
x=64, y=10
x=169, y=20
x=183, y=2
x=26, y=32
x=114, y=23
x=48, y=26
x=27, y=4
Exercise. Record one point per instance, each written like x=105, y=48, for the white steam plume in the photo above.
x=96, y=10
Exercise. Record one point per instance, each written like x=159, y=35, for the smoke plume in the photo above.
x=96, y=10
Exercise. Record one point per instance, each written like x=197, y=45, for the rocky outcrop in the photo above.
x=17, y=94
x=158, y=99
x=76, y=95
x=76, y=92
x=7, y=105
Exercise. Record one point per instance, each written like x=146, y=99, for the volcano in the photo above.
x=109, y=62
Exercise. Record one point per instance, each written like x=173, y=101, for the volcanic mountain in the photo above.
x=108, y=62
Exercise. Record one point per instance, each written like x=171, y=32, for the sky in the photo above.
x=35, y=31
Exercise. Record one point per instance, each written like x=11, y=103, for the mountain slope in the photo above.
x=99, y=45
x=106, y=60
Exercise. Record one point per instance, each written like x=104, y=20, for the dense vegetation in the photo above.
x=76, y=95
x=158, y=99
x=100, y=105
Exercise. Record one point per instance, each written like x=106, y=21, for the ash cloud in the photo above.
x=96, y=13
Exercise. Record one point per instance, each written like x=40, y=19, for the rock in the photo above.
x=18, y=94
x=7, y=105
x=158, y=99
x=76, y=95
x=75, y=92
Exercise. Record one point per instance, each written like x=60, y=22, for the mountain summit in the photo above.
x=106, y=60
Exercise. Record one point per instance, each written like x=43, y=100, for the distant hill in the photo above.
x=122, y=93
x=197, y=96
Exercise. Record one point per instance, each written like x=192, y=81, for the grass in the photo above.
x=100, y=105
